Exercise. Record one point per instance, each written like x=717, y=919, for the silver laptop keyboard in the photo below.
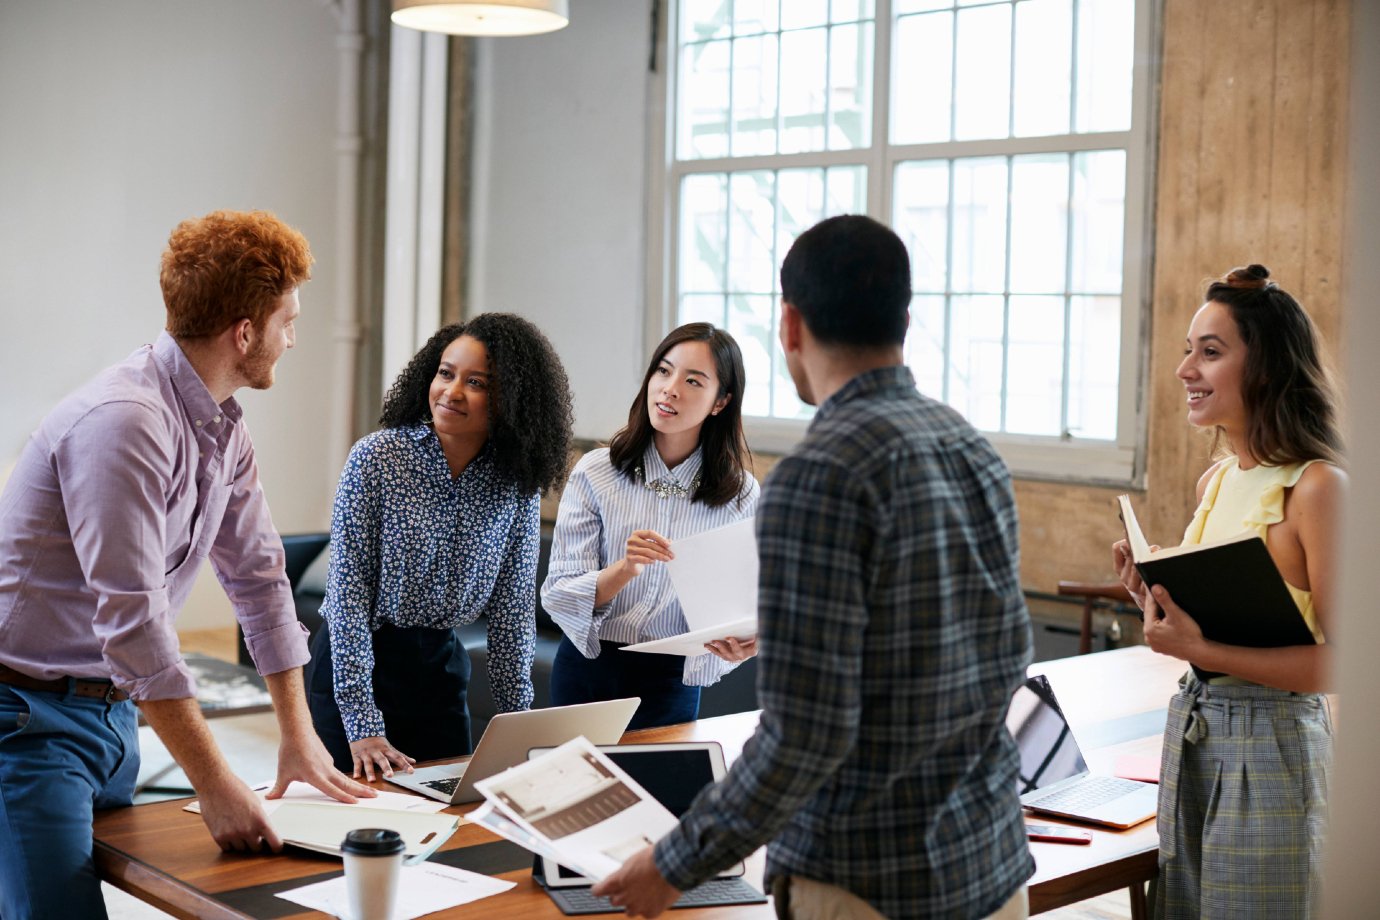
x=1091, y=792
x=446, y=786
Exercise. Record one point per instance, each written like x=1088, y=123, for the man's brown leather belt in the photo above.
x=98, y=689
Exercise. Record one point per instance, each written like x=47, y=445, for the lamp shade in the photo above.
x=482, y=17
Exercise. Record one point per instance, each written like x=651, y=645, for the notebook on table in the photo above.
x=1054, y=776
x=507, y=739
x=674, y=773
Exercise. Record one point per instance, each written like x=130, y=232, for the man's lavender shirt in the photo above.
x=117, y=498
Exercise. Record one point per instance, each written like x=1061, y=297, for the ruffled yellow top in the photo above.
x=1237, y=500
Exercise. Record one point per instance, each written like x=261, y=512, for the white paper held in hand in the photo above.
x=715, y=577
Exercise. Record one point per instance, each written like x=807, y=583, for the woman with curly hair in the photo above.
x=1247, y=752
x=676, y=468
x=436, y=523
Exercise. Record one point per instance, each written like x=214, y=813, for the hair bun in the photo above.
x=1252, y=277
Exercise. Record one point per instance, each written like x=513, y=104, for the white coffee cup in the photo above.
x=373, y=860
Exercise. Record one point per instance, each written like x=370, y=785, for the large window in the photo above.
x=1004, y=140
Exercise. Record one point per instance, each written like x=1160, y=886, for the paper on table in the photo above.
x=715, y=577
x=303, y=792
x=422, y=890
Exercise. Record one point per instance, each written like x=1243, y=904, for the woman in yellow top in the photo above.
x=1243, y=784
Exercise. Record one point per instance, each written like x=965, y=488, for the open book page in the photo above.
x=1140, y=548
x=575, y=801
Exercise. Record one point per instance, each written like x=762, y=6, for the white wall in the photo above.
x=560, y=184
x=117, y=120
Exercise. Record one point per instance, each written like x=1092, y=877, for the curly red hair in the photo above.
x=228, y=266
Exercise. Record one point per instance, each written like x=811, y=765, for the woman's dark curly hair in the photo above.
x=724, y=450
x=1287, y=387
x=529, y=404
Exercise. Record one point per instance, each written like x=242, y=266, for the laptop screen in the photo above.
x=1048, y=752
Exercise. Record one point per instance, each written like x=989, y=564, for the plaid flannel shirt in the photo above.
x=893, y=632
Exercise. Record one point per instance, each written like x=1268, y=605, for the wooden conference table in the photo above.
x=1114, y=700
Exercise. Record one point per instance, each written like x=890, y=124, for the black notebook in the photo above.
x=1230, y=587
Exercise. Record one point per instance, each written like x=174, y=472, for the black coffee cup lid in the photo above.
x=372, y=841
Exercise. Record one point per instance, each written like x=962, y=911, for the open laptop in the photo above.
x=508, y=738
x=1054, y=776
x=673, y=773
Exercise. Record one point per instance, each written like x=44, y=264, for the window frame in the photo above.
x=1060, y=459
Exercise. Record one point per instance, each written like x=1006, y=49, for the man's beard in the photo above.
x=257, y=367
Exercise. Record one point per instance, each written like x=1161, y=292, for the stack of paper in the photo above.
x=574, y=806
x=715, y=577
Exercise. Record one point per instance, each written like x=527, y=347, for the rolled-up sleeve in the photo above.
x=115, y=514
x=248, y=559
x=511, y=613
x=577, y=557
x=351, y=590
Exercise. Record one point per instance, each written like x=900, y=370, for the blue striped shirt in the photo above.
x=893, y=633
x=412, y=545
x=600, y=508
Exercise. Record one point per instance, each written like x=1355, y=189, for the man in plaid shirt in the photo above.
x=893, y=633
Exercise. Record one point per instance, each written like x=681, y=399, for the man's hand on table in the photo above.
x=305, y=758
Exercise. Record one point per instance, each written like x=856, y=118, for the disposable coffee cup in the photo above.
x=373, y=860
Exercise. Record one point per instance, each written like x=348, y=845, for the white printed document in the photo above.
x=304, y=792
x=715, y=577
x=422, y=890
x=574, y=805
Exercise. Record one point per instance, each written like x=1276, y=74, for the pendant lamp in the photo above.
x=482, y=17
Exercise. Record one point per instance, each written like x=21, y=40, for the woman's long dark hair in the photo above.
x=530, y=416
x=1290, y=399
x=723, y=446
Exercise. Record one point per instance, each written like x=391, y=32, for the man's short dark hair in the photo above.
x=849, y=277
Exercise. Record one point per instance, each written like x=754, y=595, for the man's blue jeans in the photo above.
x=61, y=757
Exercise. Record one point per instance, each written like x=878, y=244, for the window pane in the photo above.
x=922, y=80
x=919, y=6
x=703, y=223
x=803, y=87
x=752, y=17
x=975, y=360
x=1099, y=208
x=1039, y=222
x=1094, y=365
x=982, y=96
x=800, y=206
x=701, y=19
x=846, y=191
x=850, y=87
x=925, y=344
x=749, y=321
x=801, y=14
x=851, y=10
x=979, y=225
x=1035, y=365
x=754, y=96
x=704, y=100
x=1044, y=39
x=702, y=308
x=1106, y=50
x=751, y=264
x=921, y=219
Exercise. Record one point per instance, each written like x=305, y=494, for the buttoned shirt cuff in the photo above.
x=365, y=724
x=175, y=682
x=279, y=649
